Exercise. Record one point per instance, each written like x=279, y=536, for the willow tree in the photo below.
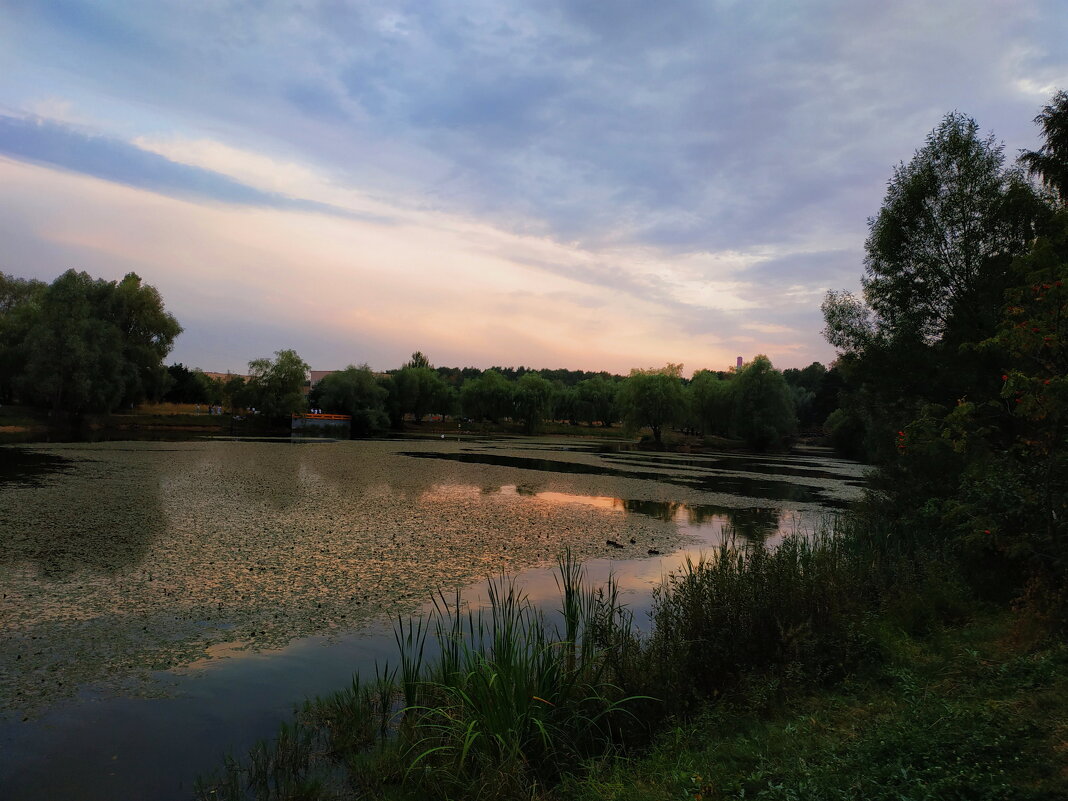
x=85, y=344
x=489, y=397
x=596, y=400
x=421, y=391
x=763, y=413
x=533, y=400
x=20, y=301
x=711, y=402
x=355, y=392
x=653, y=398
x=276, y=386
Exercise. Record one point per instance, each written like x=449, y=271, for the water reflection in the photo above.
x=18, y=466
x=735, y=463
x=710, y=522
x=102, y=524
x=755, y=524
x=719, y=482
x=752, y=523
x=262, y=544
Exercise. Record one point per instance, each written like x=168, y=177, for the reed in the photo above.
x=513, y=700
x=801, y=612
x=509, y=700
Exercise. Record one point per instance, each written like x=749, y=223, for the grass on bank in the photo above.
x=967, y=713
x=24, y=424
x=505, y=703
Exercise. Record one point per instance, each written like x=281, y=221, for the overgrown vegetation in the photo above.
x=968, y=713
x=502, y=702
x=955, y=361
x=82, y=345
x=512, y=703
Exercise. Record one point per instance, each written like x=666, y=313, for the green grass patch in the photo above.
x=956, y=714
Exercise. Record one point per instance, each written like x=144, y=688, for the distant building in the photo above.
x=739, y=365
x=224, y=377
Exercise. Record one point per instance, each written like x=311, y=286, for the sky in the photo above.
x=591, y=184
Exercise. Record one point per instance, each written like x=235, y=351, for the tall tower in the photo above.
x=739, y=367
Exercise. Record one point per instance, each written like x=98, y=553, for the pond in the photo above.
x=164, y=603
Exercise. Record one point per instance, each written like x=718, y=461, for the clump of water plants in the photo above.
x=508, y=701
x=801, y=613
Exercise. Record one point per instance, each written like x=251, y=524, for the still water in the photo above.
x=164, y=603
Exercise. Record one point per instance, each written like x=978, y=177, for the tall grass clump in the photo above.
x=807, y=611
x=506, y=703
x=510, y=701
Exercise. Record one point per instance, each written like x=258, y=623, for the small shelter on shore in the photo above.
x=332, y=425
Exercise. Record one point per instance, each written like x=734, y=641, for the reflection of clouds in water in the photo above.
x=826, y=488
x=600, y=502
x=754, y=524
x=712, y=524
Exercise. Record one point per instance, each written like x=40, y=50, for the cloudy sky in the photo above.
x=594, y=184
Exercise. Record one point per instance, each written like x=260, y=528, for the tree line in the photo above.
x=82, y=345
x=756, y=404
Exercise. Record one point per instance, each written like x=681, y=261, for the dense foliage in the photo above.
x=511, y=704
x=188, y=386
x=595, y=400
x=354, y=391
x=533, y=401
x=653, y=398
x=275, y=387
x=762, y=414
x=81, y=344
x=488, y=397
x=954, y=362
x=1050, y=162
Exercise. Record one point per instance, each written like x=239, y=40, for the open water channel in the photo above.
x=164, y=603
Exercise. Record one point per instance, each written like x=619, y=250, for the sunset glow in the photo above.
x=489, y=184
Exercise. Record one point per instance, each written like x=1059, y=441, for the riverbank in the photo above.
x=24, y=425
x=975, y=711
x=835, y=667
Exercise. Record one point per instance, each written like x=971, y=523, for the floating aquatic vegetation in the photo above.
x=137, y=557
